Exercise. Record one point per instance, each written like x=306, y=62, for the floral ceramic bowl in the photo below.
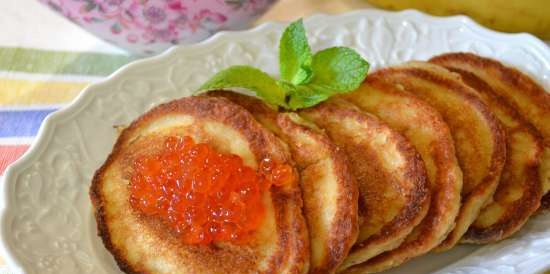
x=150, y=26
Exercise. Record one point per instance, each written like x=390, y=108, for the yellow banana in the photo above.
x=504, y=15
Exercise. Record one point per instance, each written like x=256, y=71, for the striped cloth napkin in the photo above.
x=45, y=62
x=44, y=68
x=34, y=83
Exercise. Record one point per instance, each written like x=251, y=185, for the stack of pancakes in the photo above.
x=421, y=157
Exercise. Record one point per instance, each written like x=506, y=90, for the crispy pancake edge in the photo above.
x=344, y=229
x=519, y=211
x=394, y=232
x=535, y=93
x=202, y=107
x=472, y=204
x=445, y=197
x=343, y=233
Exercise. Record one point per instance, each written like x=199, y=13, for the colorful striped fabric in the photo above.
x=45, y=62
x=34, y=83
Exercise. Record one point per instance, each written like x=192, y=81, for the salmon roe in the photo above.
x=203, y=195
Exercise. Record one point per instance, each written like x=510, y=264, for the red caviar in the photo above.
x=205, y=196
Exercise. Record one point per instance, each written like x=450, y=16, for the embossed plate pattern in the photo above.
x=47, y=224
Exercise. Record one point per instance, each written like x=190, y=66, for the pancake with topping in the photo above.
x=520, y=188
x=393, y=192
x=430, y=135
x=329, y=190
x=519, y=91
x=142, y=243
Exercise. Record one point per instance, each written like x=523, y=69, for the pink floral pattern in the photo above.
x=149, y=26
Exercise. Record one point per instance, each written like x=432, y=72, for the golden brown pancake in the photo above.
x=478, y=136
x=143, y=244
x=329, y=190
x=520, y=188
x=519, y=91
x=393, y=193
x=430, y=135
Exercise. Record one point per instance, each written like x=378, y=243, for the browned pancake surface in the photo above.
x=328, y=188
x=520, y=189
x=478, y=136
x=393, y=194
x=428, y=132
x=519, y=91
x=145, y=245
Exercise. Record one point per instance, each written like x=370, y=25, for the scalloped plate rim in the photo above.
x=47, y=127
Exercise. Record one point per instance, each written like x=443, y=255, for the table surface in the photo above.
x=45, y=61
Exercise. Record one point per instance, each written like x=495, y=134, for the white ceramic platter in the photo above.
x=47, y=223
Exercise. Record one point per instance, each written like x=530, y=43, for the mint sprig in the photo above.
x=306, y=79
x=295, y=55
x=250, y=78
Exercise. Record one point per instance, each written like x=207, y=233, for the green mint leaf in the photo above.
x=338, y=70
x=306, y=79
x=294, y=54
x=250, y=78
x=335, y=70
x=304, y=96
